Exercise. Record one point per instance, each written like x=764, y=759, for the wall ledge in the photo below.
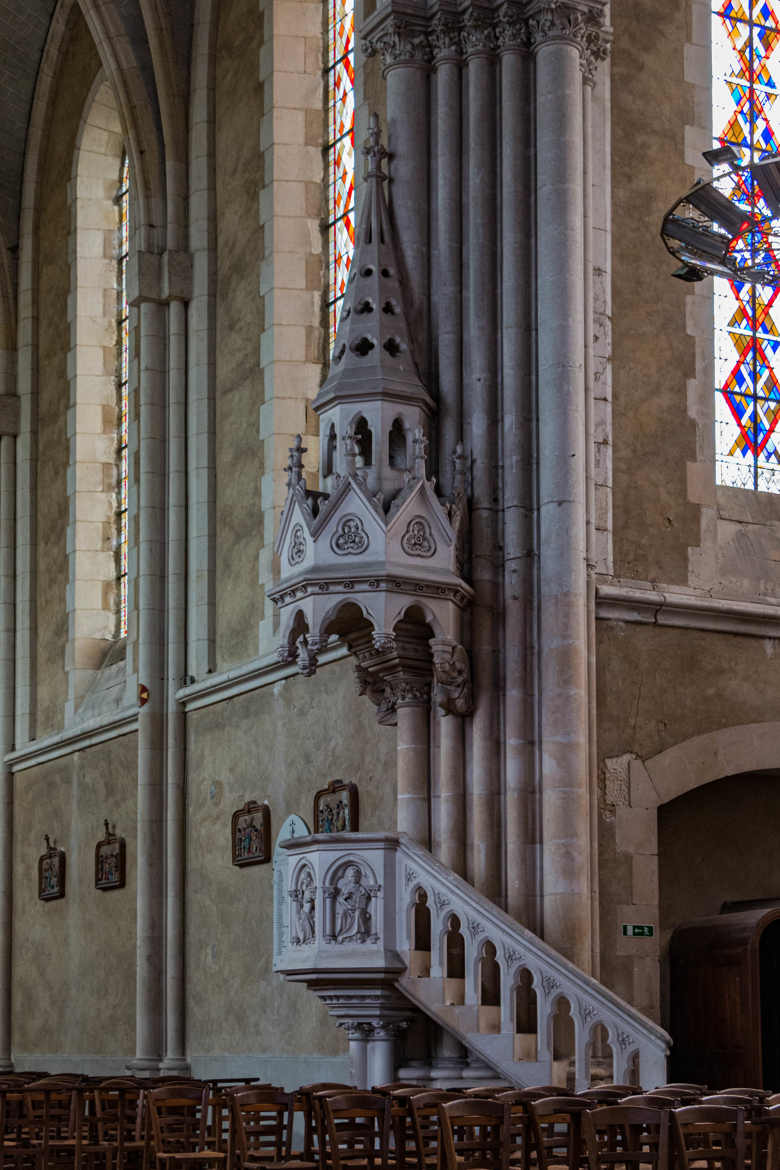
x=624, y=601
x=251, y=676
x=74, y=739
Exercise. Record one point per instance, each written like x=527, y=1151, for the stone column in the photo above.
x=151, y=738
x=447, y=252
x=481, y=410
x=412, y=701
x=405, y=55
x=516, y=103
x=7, y=559
x=358, y=1033
x=557, y=36
x=381, y=1054
x=175, y=1054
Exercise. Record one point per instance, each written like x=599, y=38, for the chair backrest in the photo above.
x=424, y=1108
x=119, y=1111
x=178, y=1115
x=358, y=1129
x=262, y=1124
x=756, y=1094
x=602, y=1095
x=651, y=1101
x=685, y=1087
x=314, y=1134
x=391, y=1086
x=709, y=1135
x=628, y=1136
x=557, y=1128
x=626, y=1090
x=474, y=1132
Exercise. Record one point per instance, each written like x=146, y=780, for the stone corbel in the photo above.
x=379, y=692
x=451, y=677
x=159, y=279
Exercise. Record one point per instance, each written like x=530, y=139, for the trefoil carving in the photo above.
x=297, y=549
x=418, y=539
x=350, y=539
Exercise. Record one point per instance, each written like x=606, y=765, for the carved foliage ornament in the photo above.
x=399, y=43
x=564, y=20
x=452, y=676
x=418, y=539
x=350, y=538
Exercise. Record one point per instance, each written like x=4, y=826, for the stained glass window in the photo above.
x=745, y=114
x=340, y=153
x=123, y=360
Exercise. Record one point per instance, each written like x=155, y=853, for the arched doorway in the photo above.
x=719, y=895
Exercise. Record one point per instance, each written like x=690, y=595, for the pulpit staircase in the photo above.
x=350, y=908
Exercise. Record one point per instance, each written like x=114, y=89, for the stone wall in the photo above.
x=79, y=68
x=74, y=958
x=240, y=382
x=279, y=744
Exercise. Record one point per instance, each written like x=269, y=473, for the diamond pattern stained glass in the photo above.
x=340, y=154
x=746, y=114
x=123, y=346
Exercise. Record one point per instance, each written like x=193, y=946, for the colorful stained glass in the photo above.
x=746, y=114
x=123, y=363
x=340, y=154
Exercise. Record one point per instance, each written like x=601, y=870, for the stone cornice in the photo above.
x=627, y=601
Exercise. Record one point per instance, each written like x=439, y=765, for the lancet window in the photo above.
x=745, y=114
x=123, y=362
x=340, y=154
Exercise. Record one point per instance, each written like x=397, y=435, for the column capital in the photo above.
x=512, y=31
x=445, y=39
x=594, y=51
x=479, y=35
x=570, y=22
x=399, y=41
x=410, y=692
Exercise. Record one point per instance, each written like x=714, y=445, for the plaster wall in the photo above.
x=279, y=744
x=74, y=958
x=240, y=383
x=79, y=67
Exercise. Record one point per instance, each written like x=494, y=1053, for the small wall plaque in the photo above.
x=110, y=861
x=251, y=834
x=336, y=808
x=51, y=872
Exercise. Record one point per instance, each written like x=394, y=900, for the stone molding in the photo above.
x=53, y=747
x=624, y=601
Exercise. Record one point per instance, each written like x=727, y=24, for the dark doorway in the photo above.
x=769, y=966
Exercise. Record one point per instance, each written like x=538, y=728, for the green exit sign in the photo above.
x=633, y=930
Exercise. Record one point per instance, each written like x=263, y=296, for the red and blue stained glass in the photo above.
x=340, y=154
x=123, y=346
x=746, y=115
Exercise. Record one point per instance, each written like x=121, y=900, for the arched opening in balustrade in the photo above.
x=526, y=1022
x=365, y=440
x=420, y=950
x=631, y=1074
x=600, y=1058
x=563, y=1044
x=329, y=454
x=454, y=963
x=489, y=990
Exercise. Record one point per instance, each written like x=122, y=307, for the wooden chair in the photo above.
x=474, y=1134
x=603, y=1095
x=56, y=1125
x=16, y=1149
x=178, y=1119
x=424, y=1108
x=262, y=1129
x=556, y=1123
x=119, y=1119
x=314, y=1137
x=756, y=1094
x=708, y=1136
x=403, y=1151
x=627, y=1136
x=520, y=1144
x=358, y=1129
x=651, y=1101
x=626, y=1090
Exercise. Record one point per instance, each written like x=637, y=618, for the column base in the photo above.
x=175, y=1066
x=144, y=1066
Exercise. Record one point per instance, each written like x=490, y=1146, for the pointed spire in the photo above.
x=372, y=355
x=294, y=468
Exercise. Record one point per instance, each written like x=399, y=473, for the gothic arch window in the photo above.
x=746, y=74
x=98, y=415
x=340, y=154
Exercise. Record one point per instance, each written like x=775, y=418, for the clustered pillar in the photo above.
x=504, y=250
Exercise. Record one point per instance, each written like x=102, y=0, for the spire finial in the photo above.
x=373, y=149
x=459, y=470
x=420, y=448
x=351, y=448
x=294, y=468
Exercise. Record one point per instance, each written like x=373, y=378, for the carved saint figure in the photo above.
x=304, y=908
x=352, y=903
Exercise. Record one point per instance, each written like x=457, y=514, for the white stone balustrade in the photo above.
x=343, y=925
